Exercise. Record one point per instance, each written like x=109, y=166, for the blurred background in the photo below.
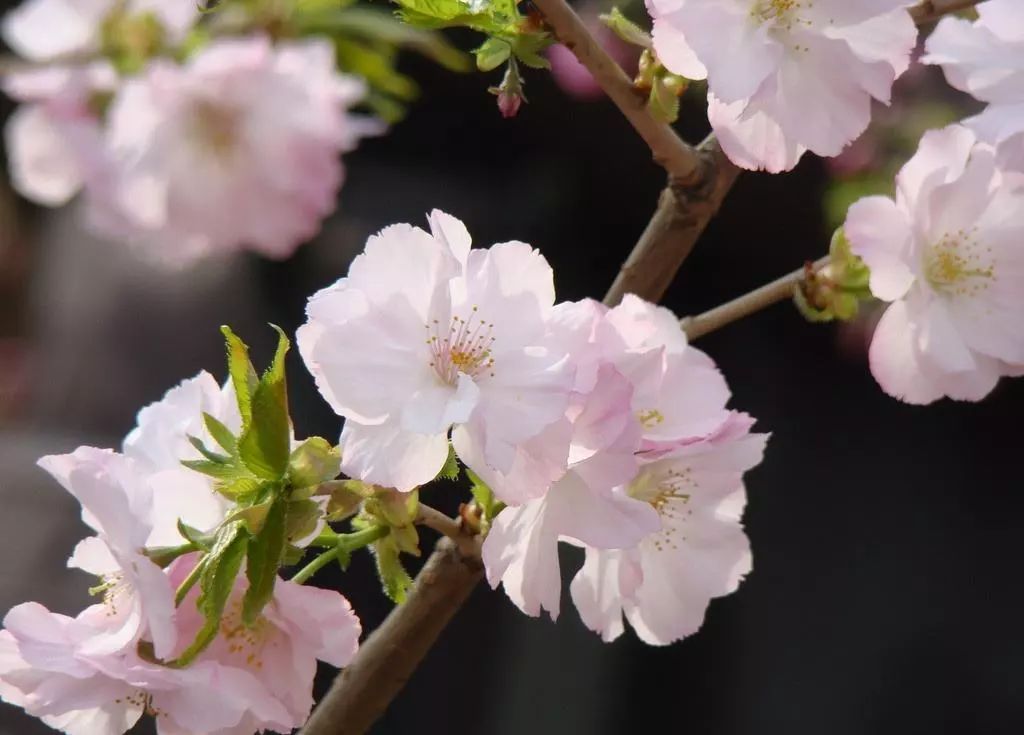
x=886, y=594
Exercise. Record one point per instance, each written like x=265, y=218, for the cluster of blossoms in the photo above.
x=600, y=427
x=162, y=148
x=99, y=672
x=596, y=426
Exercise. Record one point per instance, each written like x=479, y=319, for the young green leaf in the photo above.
x=265, y=444
x=221, y=567
x=221, y=434
x=227, y=473
x=210, y=455
x=263, y=559
x=243, y=375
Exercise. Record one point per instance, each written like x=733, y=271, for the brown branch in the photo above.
x=677, y=157
x=386, y=660
x=932, y=10
x=758, y=299
x=468, y=543
x=680, y=219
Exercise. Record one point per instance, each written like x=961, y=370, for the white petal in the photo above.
x=386, y=455
x=879, y=232
x=44, y=166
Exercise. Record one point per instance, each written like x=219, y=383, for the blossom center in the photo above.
x=245, y=643
x=959, y=265
x=782, y=14
x=668, y=493
x=216, y=127
x=112, y=587
x=464, y=347
x=650, y=418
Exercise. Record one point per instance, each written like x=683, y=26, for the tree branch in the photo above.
x=386, y=660
x=468, y=543
x=758, y=299
x=680, y=219
x=932, y=10
x=678, y=158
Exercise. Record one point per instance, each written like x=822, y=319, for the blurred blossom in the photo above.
x=238, y=148
x=571, y=75
x=43, y=30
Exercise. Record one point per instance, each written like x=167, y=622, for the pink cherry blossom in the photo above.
x=117, y=503
x=785, y=77
x=237, y=148
x=425, y=334
x=663, y=584
x=44, y=30
x=54, y=140
x=947, y=253
x=521, y=549
x=986, y=59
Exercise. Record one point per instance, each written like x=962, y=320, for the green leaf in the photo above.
x=371, y=24
x=243, y=375
x=196, y=537
x=395, y=580
x=263, y=559
x=492, y=53
x=252, y=517
x=221, y=434
x=497, y=18
x=528, y=46
x=211, y=456
x=451, y=469
x=313, y=462
x=220, y=569
x=218, y=470
x=663, y=102
x=265, y=444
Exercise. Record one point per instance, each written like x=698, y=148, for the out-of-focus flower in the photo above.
x=237, y=148
x=571, y=75
x=54, y=140
x=425, y=334
x=947, y=253
x=986, y=59
x=784, y=76
x=663, y=584
x=43, y=30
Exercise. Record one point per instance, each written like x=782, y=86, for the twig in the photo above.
x=758, y=299
x=678, y=158
x=468, y=543
x=931, y=10
x=386, y=660
x=680, y=219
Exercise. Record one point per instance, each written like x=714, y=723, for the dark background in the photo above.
x=886, y=592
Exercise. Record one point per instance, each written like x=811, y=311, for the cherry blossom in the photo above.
x=425, y=334
x=986, y=59
x=947, y=253
x=54, y=140
x=45, y=30
x=786, y=76
x=117, y=503
x=663, y=584
x=252, y=679
x=243, y=126
x=521, y=549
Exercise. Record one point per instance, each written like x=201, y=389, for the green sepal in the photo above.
x=303, y=517
x=484, y=496
x=626, y=29
x=394, y=579
x=451, y=469
x=252, y=517
x=197, y=538
x=346, y=496
x=265, y=444
x=263, y=559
